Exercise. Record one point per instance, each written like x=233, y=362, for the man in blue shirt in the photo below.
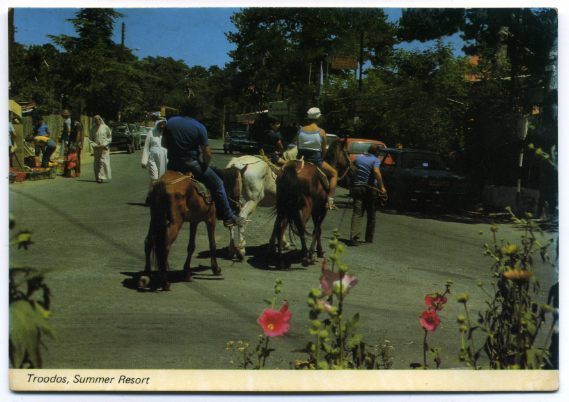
x=44, y=144
x=367, y=183
x=186, y=139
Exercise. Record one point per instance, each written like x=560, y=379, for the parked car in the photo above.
x=358, y=146
x=122, y=139
x=144, y=132
x=330, y=139
x=239, y=141
x=420, y=177
x=135, y=130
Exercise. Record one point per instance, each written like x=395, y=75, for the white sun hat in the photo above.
x=313, y=113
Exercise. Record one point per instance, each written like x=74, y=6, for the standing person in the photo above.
x=12, y=139
x=100, y=139
x=66, y=130
x=186, y=139
x=311, y=144
x=154, y=155
x=43, y=142
x=367, y=182
x=75, y=143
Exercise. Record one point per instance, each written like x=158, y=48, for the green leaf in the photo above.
x=355, y=340
x=27, y=323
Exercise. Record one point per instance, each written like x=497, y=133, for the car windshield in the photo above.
x=422, y=160
x=120, y=130
x=359, y=147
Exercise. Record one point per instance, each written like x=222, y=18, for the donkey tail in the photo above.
x=159, y=218
x=289, y=199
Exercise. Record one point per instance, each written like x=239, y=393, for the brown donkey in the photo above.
x=300, y=196
x=176, y=199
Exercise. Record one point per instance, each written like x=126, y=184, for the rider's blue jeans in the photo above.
x=212, y=181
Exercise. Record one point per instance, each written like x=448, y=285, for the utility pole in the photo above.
x=361, y=61
x=11, y=28
x=123, y=34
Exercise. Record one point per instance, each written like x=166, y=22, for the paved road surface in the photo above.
x=92, y=236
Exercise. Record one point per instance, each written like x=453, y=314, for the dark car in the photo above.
x=135, y=130
x=239, y=141
x=420, y=177
x=122, y=139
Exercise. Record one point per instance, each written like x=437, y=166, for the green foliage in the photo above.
x=337, y=344
x=277, y=48
x=29, y=298
x=513, y=318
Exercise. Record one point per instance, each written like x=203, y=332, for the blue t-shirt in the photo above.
x=185, y=137
x=42, y=130
x=365, y=164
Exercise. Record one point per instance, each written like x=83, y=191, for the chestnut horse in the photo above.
x=175, y=199
x=300, y=195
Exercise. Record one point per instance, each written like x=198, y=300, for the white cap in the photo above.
x=313, y=113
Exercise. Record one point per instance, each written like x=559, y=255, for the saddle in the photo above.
x=172, y=178
x=321, y=174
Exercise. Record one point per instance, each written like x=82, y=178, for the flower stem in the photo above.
x=425, y=349
x=471, y=354
x=264, y=350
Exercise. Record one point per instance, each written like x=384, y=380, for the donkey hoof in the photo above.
x=143, y=282
x=240, y=254
x=216, y=271
x=166, y=287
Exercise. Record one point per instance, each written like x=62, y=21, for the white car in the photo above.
x=144, y=131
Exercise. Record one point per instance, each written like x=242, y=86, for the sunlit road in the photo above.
x=91, y=236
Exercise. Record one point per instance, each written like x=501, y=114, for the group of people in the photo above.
x=181, y=144
x=189, y=151
x=367, y=184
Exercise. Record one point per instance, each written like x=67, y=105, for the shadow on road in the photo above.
x=467, y=217
x=262, y=257
x=199, y=273
x=86, y=181
x=137, y=204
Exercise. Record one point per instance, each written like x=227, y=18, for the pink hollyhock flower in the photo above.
x=331, y=280
x=273, y=322
x=327, y=307
x=435, y=302
x=430, y=320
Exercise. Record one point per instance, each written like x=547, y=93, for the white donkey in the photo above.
x=258, y=189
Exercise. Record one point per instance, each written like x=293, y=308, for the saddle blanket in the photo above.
x=171, y=178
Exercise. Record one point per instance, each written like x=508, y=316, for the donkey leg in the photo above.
x=148, y=248
x=144, y=279
x=171, y=235
x=190, y=252
x=318, y=232
x=280, y=227
x=237, y=242
x=212, y=247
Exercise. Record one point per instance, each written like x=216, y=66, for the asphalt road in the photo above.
x=92, y=236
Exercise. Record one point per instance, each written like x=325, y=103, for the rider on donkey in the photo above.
x=311, y=144
x=185, y=138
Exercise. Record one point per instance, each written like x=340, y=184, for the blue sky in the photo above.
x=194, y=35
